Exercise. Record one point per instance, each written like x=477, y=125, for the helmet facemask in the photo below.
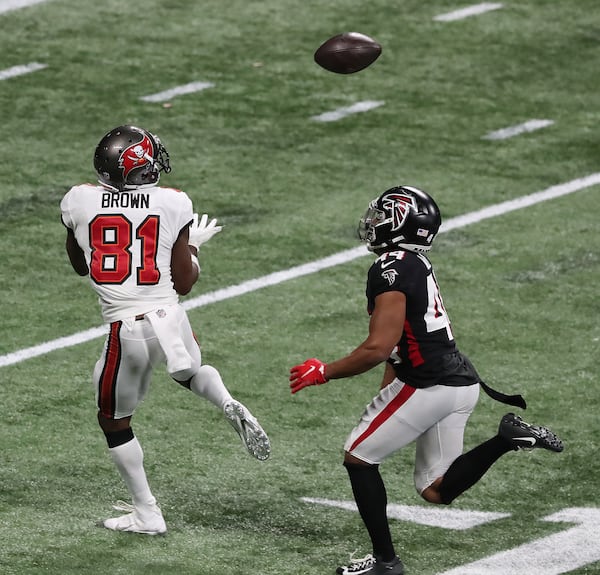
x=367, y=225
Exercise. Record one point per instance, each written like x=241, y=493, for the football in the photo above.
x=347, y=53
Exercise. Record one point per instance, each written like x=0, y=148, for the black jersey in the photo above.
x=426, y=354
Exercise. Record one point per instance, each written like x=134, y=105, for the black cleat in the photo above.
x=370, y=565
x=522, y=435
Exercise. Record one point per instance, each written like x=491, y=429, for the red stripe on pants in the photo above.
x=387, y=412
x=108, y=378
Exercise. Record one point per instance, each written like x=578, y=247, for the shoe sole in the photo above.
x=395, y=569
x=140, y=532
x=253, y=436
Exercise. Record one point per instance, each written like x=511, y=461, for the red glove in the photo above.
x=311, y=372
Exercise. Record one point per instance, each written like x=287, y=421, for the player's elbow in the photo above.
x=183, y=287
x=372, y=357
x=379, y=352
x=184, y=282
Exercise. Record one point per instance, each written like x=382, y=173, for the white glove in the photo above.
x=201, y=232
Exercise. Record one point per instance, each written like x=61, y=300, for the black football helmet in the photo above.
x=128, y=158
x=402, y=217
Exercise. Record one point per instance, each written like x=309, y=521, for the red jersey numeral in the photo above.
x=148, y=273
x=111, y=239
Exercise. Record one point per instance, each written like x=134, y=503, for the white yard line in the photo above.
x=558, y=554
x=529, y=126
x=315, y=266
x=347, y=111
x=7, y=5
x=444, y=518
x=21, y=70
x=474, y=10
x=177, y=91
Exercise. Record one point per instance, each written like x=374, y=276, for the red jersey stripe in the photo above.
x=389, y=410
x=108, y=378
x=414, y=352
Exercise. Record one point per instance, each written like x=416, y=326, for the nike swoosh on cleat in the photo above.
x=530, y=440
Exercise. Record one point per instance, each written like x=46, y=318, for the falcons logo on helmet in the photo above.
x=398, y=205
x=136, y=155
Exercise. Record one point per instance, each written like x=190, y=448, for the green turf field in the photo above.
x=521, y=287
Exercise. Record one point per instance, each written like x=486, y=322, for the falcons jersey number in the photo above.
x=111, y=240
x=436, y=317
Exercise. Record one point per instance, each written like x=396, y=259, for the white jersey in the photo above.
x=127, y=238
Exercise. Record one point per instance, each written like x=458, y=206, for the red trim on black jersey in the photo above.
x=110, y=371
x=387, y=412
x=414, y=351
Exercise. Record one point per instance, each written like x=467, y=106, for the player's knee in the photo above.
x=431, y=493
x=187, y=383
x=351, y=460
x=431, y=496
x=184, y=377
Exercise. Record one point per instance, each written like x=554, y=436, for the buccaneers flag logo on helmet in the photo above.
x=398, y=205
x=136, y=155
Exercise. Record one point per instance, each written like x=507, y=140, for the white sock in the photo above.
x=129, y=460
x=207, y=383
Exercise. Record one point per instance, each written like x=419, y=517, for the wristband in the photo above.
x=195, y=261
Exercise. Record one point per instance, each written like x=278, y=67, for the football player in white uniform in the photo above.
x=429, y=387
x=139, y=242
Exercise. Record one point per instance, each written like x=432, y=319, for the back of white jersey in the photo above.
x=127, y=238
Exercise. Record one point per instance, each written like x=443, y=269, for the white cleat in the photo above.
x=253, y=436
x=151, y=522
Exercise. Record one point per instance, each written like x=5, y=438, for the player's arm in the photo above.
x=76, y=255
x=184, y=273
x=385, y=330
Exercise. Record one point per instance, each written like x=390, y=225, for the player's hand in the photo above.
x=201, y=231
x=311, y=372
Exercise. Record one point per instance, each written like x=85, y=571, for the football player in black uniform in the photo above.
x=429, y=387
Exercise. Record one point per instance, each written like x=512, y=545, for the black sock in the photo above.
x=470, y=467
x=371, y=499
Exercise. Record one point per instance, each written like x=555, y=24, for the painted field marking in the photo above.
x=555, y=554
x=347, y=111
x=312, y=267
x=21, y=70
x=177, y=91
x=559, y=553
x=7, y=5
x=529, y=126
x=444, y=517
x=474, y=10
